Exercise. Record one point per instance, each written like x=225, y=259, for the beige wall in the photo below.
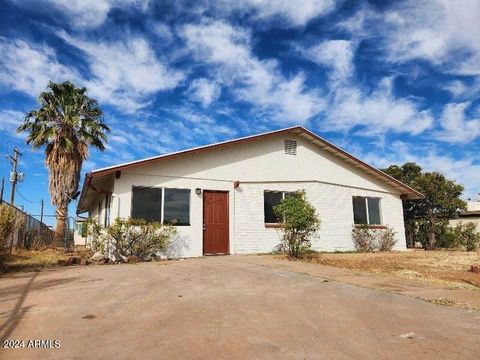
x=475, y=220
x=473, y=206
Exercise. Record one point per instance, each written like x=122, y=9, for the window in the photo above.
x=270, y=200
x=147, y=203
x=366, y=210
x=177, y=206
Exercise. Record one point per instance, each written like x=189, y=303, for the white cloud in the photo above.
x=456, y=128
x=125, y=73
x=180, y=128
x=466, y=170
x=204, y=91
x=441, y=31
x=294, y=13
x=258, y=82
x=350, y=106
x=10, y=120
x=336, y=54
x=28, y=68
x=377, y=112
x=85, y=13
x=163, y=31
x=457, y=88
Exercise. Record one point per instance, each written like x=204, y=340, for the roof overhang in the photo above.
x=406, y=191
x=92, y=188
x=472, y=213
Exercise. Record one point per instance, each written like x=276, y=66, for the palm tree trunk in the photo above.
x=61, y=214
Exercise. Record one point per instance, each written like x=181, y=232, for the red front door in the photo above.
x=215, y=223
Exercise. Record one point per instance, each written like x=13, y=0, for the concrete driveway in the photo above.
x=223, y=307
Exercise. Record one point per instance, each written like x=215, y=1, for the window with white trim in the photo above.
x=366, y=211
x=270, y=200
x=170, y=206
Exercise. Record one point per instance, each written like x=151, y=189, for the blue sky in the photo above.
x=389, y=81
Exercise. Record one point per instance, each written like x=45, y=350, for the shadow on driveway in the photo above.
x=19, y=311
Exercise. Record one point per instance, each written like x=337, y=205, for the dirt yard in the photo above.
x=35, y=260
x=442, y=267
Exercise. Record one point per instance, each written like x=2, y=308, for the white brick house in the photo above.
x=221, y=195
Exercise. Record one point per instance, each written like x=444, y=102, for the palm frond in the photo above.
x=66, y=123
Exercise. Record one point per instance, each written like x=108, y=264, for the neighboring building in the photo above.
x=221, y=195
x=78, y=237
x=472, y=214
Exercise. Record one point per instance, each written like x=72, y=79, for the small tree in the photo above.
x=426, y=218
x=299, y=223
x=467, y=235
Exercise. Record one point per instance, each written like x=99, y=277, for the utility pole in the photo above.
x=1, y=191
x=41, y=211
x=14, y=174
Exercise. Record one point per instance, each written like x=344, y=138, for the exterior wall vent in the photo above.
x=290, y=147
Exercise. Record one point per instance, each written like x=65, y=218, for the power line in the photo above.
x=24, y=198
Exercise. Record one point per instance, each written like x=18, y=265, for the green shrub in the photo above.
x=139, y=238
x=447, y=239
x=131, y=237
x=467, y=235
x=94, y=233
x=434, y=236
x=84, y=229
x=300, y=223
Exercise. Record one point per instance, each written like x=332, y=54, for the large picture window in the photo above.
x=270, y=200
x=177, y=206
x=147, y=203
x=366, y=210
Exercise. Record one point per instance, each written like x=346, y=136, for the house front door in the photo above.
x=215, y=223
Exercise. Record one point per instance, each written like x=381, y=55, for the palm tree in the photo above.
x=67, y=123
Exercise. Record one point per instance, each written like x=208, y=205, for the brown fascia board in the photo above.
x=412, y=193
x=473, y=213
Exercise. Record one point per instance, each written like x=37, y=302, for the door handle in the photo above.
x=204, y=226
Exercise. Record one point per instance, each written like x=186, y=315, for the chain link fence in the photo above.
x=30, y=233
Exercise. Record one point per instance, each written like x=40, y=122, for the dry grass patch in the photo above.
x=445, y=267
x=35, y=260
